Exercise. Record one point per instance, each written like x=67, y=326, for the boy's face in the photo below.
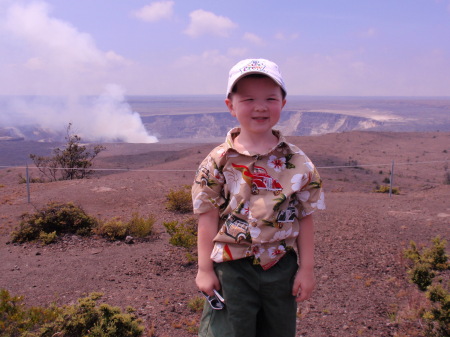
x=257, y=104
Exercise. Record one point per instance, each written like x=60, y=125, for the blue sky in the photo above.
x=329, y=47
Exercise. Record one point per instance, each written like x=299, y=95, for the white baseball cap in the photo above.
x=254, y=66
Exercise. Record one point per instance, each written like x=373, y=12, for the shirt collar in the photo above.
x=233, y=133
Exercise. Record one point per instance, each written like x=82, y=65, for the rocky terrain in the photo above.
x=362, y=289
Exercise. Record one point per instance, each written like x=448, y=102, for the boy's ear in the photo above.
x=229, y=104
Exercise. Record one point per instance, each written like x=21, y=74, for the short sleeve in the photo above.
x=207, y=187
x=310, y=196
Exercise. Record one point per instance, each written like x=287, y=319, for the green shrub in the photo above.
x=422, y=275
x=191, y=258
x=141, y=227
x=23, y=180
x=85, y=318
x=427, y=264
x=180, y=201
x=113, y=229
x=386, y=189
x=73, y=161
x=47, y=238
x=116, y=229
x=182, y=234
x=57, y=218
x=17, y=320
x=196, y=303
x=439, y=316
x=435, y=256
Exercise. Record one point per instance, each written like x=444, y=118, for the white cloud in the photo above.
x=155, y=11
x=54, y=43
x=284, y=37
x=253, y=39
x=207, y=23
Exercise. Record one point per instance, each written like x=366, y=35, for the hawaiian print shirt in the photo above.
x=261, y=198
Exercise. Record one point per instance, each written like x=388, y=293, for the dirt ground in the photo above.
x=362, y=287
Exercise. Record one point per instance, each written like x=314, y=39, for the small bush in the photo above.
x=52, y=220
x=116, y=229
x=191, y=258
x=180, y=201
x=182, y=234
x=141, y=227
x=439, y=316
x=427, y=264
x=196, y=303
x=17, y=320
x=422, y=275
x=113, y=229
x=435, y=257
x=73, y=161
x=47, y=238
x=386, y=189
x=32, y=180
x=85, y=318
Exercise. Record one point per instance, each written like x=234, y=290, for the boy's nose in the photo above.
x=261, y=106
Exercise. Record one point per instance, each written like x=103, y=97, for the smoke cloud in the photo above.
x=106, y=118
x=52, y=53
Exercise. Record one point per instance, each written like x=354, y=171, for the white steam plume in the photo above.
x=49, y=57
x=111, y=117
x=106, y=118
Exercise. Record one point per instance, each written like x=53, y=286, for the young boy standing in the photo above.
x=255, y=195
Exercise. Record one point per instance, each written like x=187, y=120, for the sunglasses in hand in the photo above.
x=216, y=301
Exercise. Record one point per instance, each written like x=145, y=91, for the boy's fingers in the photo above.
x=303, y=296
x=296, y=288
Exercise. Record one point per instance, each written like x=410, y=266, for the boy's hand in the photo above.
x=304, y=284
x=207, y=281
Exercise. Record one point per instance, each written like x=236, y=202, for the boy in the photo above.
x=255, y=195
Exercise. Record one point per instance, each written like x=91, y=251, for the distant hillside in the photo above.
x=205, y=118
x=292, y=123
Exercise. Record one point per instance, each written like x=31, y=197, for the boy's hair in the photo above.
x=234, y=88
x=254, y=66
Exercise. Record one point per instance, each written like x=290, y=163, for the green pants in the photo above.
x=258, y=303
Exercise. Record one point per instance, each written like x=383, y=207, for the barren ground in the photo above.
x=362, y=283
